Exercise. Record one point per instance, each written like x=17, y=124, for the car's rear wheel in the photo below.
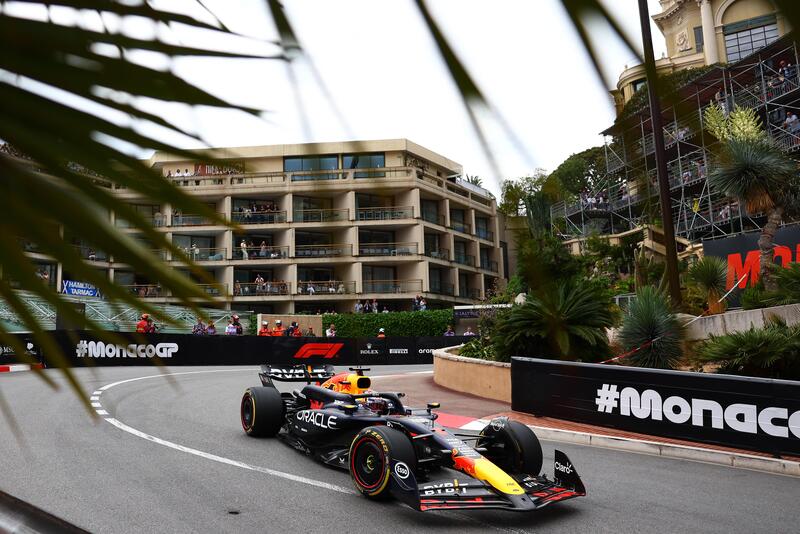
x=262, y=411
x=372, y=453
x=512, y=446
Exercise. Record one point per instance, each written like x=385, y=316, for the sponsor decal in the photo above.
x=81, y=289
x=398, y=351
x=98, y=349
x=561, y=468
x=325, y=350
x=369, y=350
x=443, y=488
x=318, y=419
x=401, y=470
x=498, y=424
x=5, y=350
x=740, y=417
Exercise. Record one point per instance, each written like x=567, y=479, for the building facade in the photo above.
x=706, y=32
x=322, y=226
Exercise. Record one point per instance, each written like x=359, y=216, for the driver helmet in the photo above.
x=145, y=316
x=378, y=405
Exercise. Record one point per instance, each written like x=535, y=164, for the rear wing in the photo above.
x=295, y=373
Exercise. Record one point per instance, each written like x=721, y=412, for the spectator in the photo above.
x=195, y=252
x=151, y=326
x=310, y=332
x=243, y=247
x=237, y=288
x=422, y=304
x=449, y=332
x=375, y=306
x=92, y=255
x=199, y=329
x=211, y=330
x=262, y=253
x=141, y=326
x=381, y=332
x=237, y=325
x=331, y=331
x=358, y=307
x=158, y=219
x=791, y=123
x=385, y=310
x=264, y=330
x=279, y=330
x=296, y=330
x=340, y=289
x=230, y=330
x=311, y=289
x=469, y=331
x=367, y=306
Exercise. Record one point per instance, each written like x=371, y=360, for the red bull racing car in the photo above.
x=394, y=451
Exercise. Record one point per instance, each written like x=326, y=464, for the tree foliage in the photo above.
x=584, y=170
x=418, y=323
x=650, y=326
x=709, y=275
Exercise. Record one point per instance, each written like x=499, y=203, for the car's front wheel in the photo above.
x=262, y=411
x=511, y=446
x=373, y=452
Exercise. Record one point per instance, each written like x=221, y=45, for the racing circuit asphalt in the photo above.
x=93, y=474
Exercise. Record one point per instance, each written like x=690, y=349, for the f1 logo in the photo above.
x=325, y=350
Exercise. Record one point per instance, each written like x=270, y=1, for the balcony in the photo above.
x=385, y=214
x=459, y=226
x=259, y=217
x=260, y=253
x=387, y=249
x=89, y=253
x=203, y=254
x=326, y=174
x=268, y=288
x=306, y=216
x=192, y=220
x=440, y=254
x=146, y=291
x=489, y=265
x=442, y=288
x=330, y=287
x=484, y=234
x=214, y=290
x=464, y=259
x=258, y=178
x=392, y=286
x=469, y=293
x=434, y=218
x=323, y=251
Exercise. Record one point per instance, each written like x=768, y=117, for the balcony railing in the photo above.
x=91, y=254
x=260, y=253
x=323, y=251
x=328, y=287
x=214, y=290
x=489, y=265
x=459, y=226
x=146, y=291
x=387, y=249
x=434, y=218
x=469, y=293
x=262, y=289
x=484, y=234
x=465, y=259
x=439, y=254
x=442, y=288
x=205, y=254
x=392, y=286
x=259, y=217
x=325, y=174
x=385, y=214
x=259, y=178
x=321, y=215
x=191, y=220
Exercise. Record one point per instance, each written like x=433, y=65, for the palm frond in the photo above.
x=650, y=326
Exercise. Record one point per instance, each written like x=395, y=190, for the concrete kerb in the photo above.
x=657, y=448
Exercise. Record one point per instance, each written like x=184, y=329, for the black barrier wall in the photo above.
x=746, y=413
x=87, y=349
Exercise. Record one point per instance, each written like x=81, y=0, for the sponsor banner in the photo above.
x=742, y=255
x=87, y=349
x=80, y=289
x=745, y=413
x=8, y=355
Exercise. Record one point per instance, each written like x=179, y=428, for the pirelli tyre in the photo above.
x=511, y=446
x=262, y=411
x=372, y=454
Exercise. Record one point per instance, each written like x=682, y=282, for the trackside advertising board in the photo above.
x=87, y=349
x=745, y=413
x=741, y=253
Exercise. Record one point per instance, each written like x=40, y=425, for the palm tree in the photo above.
x=474, y=179
x=709, y=275
x=565, y=321
x=651, y=330
x=754, y=171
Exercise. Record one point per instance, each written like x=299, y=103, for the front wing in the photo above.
x=463, y=493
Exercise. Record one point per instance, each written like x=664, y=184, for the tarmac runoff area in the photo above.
x=169, y=455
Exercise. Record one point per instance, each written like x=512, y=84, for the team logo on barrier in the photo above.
x=325, y=350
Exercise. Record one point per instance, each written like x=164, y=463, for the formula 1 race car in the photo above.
x=391, y=450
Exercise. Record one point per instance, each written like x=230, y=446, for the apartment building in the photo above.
x=323, y=226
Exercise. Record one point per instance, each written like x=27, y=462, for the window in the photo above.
x=186, y=242
x=638, y=84
x=698, y=39
x=430, y=211
x=301, y=164
x=744, y=38
x=365, y=161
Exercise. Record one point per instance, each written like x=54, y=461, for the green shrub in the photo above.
x=788, y=282
x=480, y=348
x=772, y=351
x=565, y=321
x=753, y=298
x=419, y=323
x=649, y=319
x=709, y=275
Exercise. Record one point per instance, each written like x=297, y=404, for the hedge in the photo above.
x=419, y=323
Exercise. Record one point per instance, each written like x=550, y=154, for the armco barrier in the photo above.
x=87, y=349
x=739, y=412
